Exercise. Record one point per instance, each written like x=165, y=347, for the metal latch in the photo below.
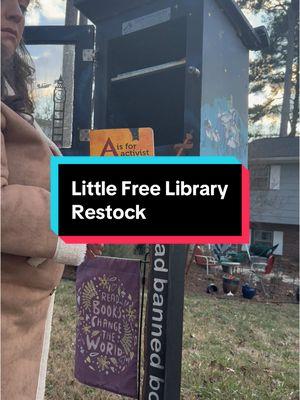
x=88, y=55
x=84, y=135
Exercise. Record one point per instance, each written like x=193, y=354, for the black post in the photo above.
x=177, y=261
x=164, y=323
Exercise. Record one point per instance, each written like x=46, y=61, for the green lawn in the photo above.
x=231, y=350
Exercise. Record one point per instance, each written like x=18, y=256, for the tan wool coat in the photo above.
x=25, y=233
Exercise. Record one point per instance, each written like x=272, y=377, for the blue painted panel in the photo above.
x=223, y=131
x=225, y=68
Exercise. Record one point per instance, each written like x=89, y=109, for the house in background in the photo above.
x=274, y=171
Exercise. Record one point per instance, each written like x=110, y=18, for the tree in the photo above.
x=275, y=71
x=292, y=24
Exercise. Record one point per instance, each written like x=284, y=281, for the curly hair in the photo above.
x=18, y=72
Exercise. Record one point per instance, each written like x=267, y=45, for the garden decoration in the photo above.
x=240, y=257
x=248, y=291
x=259, y=268
x=260, y=250
x=221, y=251
x=108, y=292
x=230, y=284
x=212, y=288
x=227, y=269
x=230, y=267
x=206, y=261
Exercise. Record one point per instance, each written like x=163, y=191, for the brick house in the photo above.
x=274, y=171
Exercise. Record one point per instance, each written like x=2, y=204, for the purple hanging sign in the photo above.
x=108, y=296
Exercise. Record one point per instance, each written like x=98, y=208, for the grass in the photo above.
x=238, y=350
x=231, y=350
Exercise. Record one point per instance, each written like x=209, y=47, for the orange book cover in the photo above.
x=122, y=142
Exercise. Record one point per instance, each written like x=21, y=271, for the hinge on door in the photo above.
x=88, y=55
x=84, y=135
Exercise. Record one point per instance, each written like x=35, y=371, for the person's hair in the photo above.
x=18, y=72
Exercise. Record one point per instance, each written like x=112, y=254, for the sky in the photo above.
x=51, y=13
x=47, y=59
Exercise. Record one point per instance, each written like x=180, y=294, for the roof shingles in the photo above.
x=278, y=147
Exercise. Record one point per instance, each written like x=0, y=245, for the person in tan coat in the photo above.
x=32, y=256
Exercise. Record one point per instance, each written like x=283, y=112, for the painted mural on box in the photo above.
x=223, y=132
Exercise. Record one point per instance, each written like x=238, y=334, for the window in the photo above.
x=275, y=177
x=260, y=177
x=265, y=177
x=264, y=238
x=51, y=63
